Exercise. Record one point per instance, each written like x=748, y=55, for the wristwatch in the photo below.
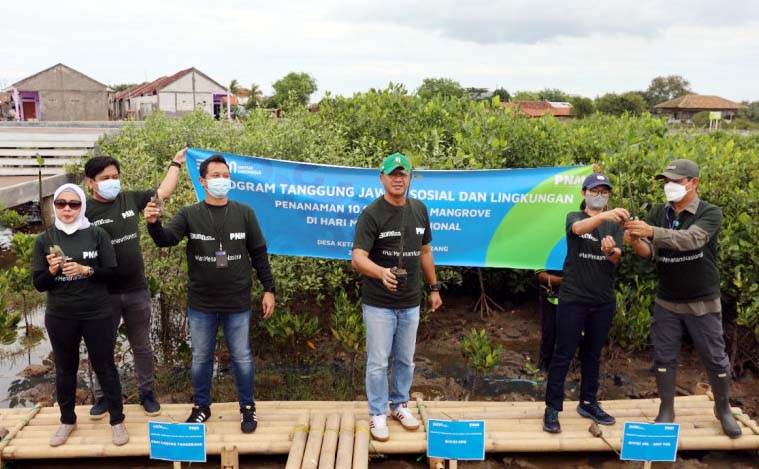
x=434, y=287
x=174, y=163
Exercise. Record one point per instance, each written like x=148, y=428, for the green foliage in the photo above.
x=632, y=319
x=502, y=94
x=446, y=133
x=553, y=94
x=581, y=106
x=291, y=332
x=618, y=104
x=524, y=95
x=439, y=87
x=348, y=325
x=700, y=119
x=11, y=218
x=751, y=112
x=481, y=355
x=294, y=87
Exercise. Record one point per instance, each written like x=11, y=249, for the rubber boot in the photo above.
x=721, y=389
x=665, y=384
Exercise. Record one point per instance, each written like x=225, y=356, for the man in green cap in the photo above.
x=391, y=224
x=681, y=238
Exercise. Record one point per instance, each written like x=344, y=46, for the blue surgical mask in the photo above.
x=109, y=188
x=219, y=187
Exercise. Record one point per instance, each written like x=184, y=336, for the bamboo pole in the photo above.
x=314, y=443
x=435, y=463
x=361, y=445
x=13, y=431
x=298, y=436
x=329, y=444
x=345, y=445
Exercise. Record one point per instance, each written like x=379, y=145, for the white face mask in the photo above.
x=674, y=192
x=68, y=228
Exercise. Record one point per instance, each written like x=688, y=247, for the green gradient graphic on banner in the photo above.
x=531, y=230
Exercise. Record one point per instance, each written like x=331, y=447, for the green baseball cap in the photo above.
x=396, y=160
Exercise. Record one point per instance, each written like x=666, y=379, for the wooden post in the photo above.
x=298, y=436
x=177, y=465
x=230, y=458
x=329, y=444
x=345, y=445
x=435, y=463
x=314, y=443
x=361, y=445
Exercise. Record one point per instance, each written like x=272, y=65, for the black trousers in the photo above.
x=572, y=319
x=65, y=336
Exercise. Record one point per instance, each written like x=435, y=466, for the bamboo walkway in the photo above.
x=323, y=434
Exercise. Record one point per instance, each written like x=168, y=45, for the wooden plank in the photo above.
x=45, y=152
x=25, y=162
x=52, y=136
x=28, y=171
x=46, y=144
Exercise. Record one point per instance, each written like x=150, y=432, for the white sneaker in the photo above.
x=378, y=428
x=62, y=434
x=407, y=419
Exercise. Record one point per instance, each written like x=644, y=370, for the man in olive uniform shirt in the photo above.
x=681, y=238
x=224, y=243
x=117, y=212
x=390, y=308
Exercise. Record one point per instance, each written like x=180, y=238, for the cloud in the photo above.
x=535, y=21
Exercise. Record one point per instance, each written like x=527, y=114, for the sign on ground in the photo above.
x=461, y=440
x=650, y=441
x=177, y=441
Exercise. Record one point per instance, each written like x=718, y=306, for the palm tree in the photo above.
x=234, y=86
x=256, y=94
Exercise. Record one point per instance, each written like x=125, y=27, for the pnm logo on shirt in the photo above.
x=234, y=236
x=127, y=214
x=89, y=255
x=420, y=231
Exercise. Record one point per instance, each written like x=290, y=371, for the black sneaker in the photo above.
x=248, y=420
x=98, y=409
x=199, y=414
x=149, y=404
x=551, y=421
x=593, y=411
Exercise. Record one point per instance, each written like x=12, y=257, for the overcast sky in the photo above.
x=580, y=46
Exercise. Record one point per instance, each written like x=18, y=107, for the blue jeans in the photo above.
x=203, y=327
x=389, y=331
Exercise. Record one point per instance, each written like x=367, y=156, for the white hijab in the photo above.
x=81, y=222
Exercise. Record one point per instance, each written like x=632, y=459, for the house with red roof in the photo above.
x=682, y=109
x=175, y=95
x=540, y=108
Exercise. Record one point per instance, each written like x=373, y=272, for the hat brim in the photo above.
x=597, y=184
x=670, y=175
x=406, y=171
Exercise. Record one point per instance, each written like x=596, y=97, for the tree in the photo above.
x=751, y=112
x=502, y=94
x=445, y=87
x=298, y=86
x=582, y=106
x=665, y=88
x=553, y=94
x=525, y=96
x=122, y=86
x=617, y=104
x=234, y=86
x=478, y=94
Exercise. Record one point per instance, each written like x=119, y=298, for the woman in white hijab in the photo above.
x=71, y=261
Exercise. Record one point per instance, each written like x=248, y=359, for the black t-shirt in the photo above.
x=378, y=233
x=120, y=219
x=77, y=297
x=588, y=275
x=213, y=289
